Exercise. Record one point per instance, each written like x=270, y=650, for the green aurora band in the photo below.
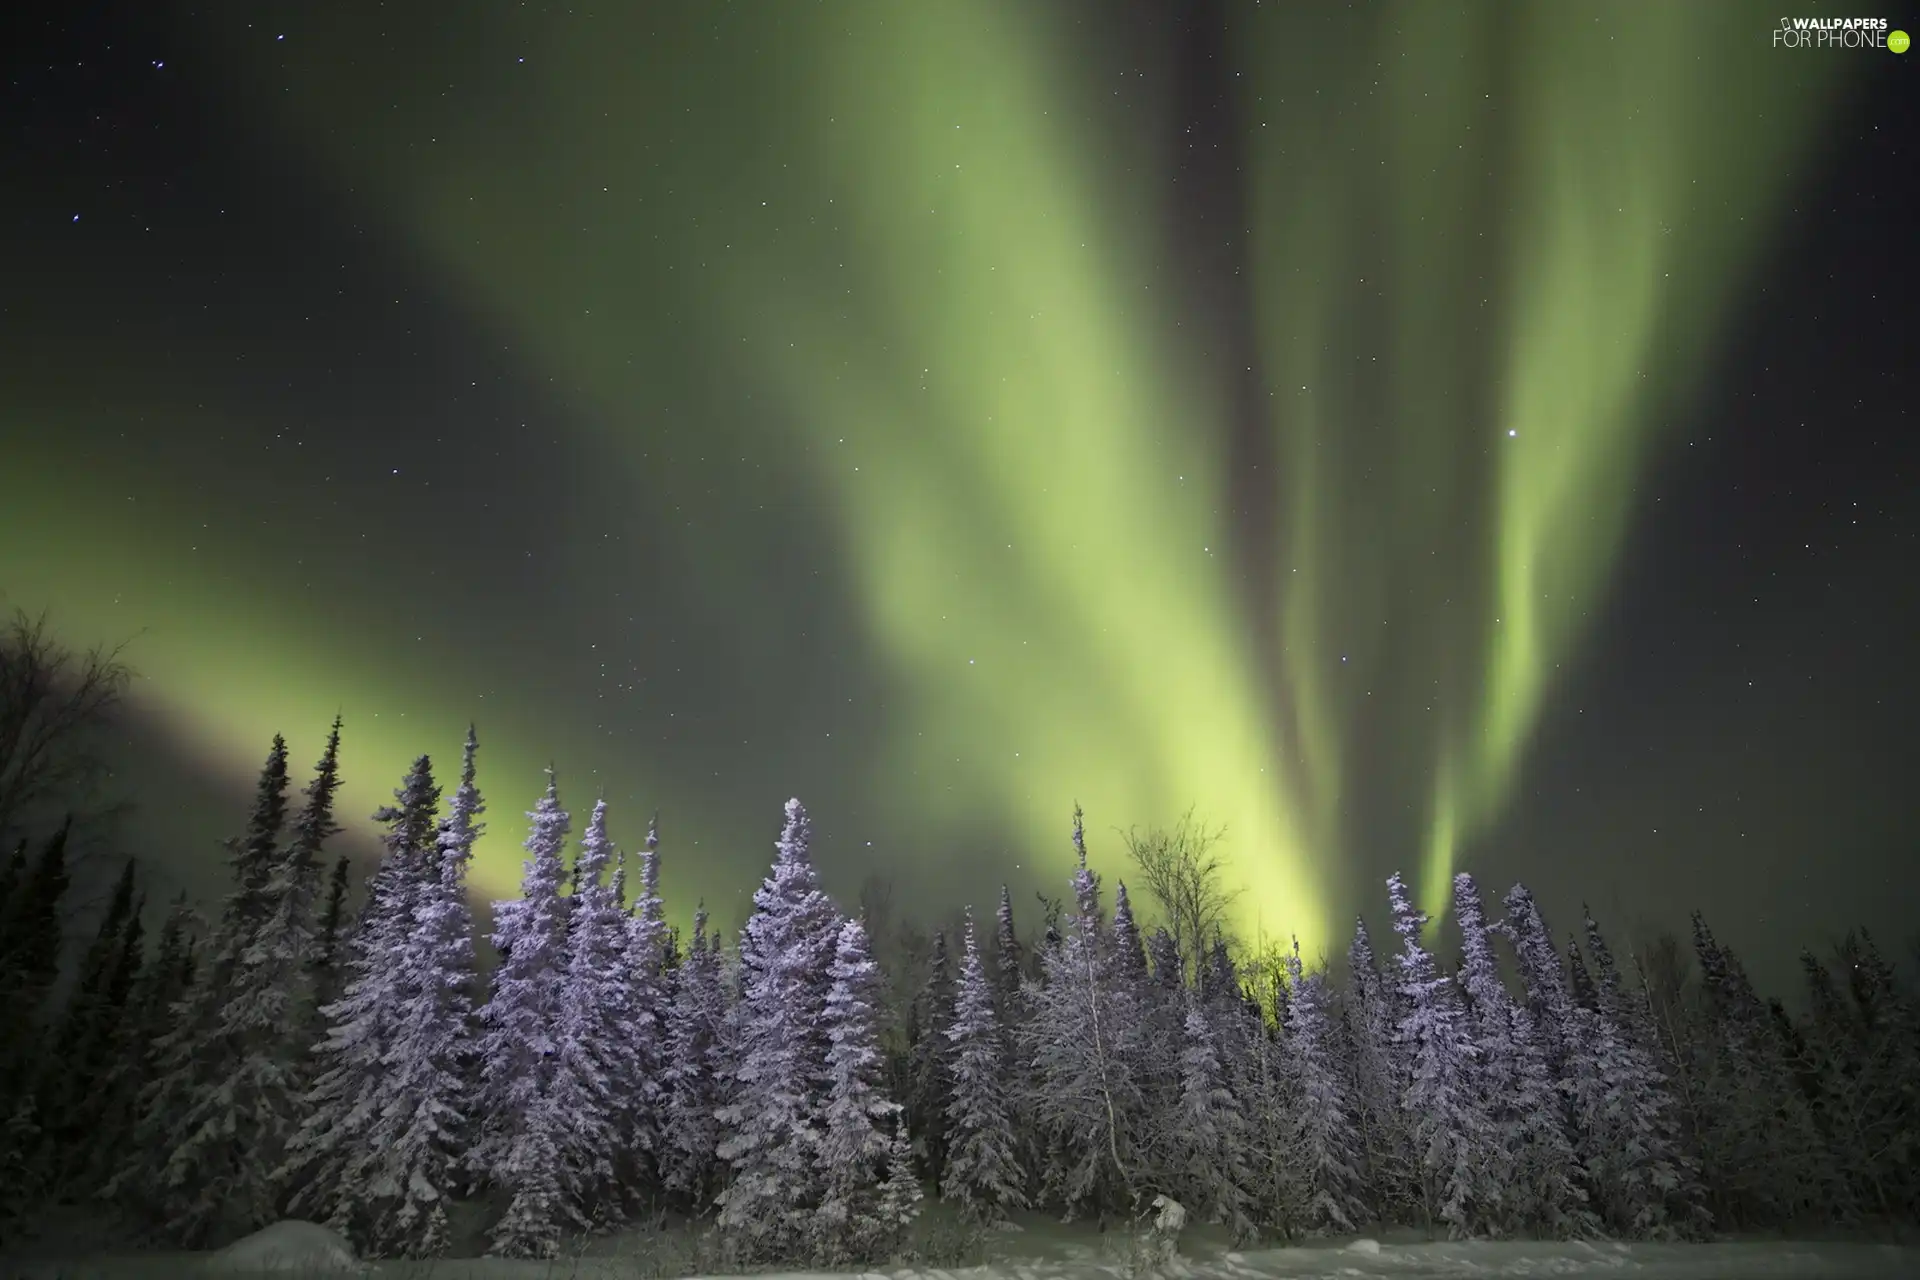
x=1479, y=290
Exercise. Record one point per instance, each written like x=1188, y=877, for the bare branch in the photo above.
x=53, y=700
x=1185, y=872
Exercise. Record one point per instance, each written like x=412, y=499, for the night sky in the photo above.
x=1418, y=436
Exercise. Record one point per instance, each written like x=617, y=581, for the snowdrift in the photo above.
x=305, y=1247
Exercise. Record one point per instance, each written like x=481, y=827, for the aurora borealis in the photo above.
x=947, y=412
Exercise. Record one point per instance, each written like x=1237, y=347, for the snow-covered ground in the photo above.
x=299, y=1249
x=1760, y=1261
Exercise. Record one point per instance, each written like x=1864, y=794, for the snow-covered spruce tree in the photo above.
x=1549, y=999
x=1264, y=1083
x=1380, y=1076
x=1611, y=996
x=729, y=1048
x=1127, y=955
x=1009, y=959
x=589, y=1064
x=429, y=1057
x=162, y=981
x=1638, y=1178
x=900, y=1194
x=687, y=1131
x=1050, y=935
x=330, y=942
x=1209, y=1143
x=930, y=1070
x=1870, y=1059
x=983, y=1174
x=332, y=1167
x=1162, y=1038
x=1084, y=1097
x=1325, y=1143
x=646, y=963
x=768, y=1134
x=288, y=944
x=30, y=937
x=855, y=1119
x=1762, y=1157
x=72, y=1095
x=1452, y=1134
x=1164, y=954
x=1579, y=977
x=1219, y=978
x=1533, y=1162
x=1012, y=963
x=521, y=1129
x=228, y=1097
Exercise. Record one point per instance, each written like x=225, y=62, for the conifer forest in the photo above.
x=959, y=640
x=350, y=1050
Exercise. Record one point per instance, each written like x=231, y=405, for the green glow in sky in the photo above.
x=1485, y=284
x=911, y=272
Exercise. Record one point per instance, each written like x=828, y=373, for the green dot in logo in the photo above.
x=1898, y=41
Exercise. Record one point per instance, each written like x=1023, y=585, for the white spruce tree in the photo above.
x=855, y=1117
x=729, y=1046
x=645, y=963
x=1127, y=955
x=1451, y=1131
x=768, y=1135
x=1380, y=1077
x=521, y=1137
x=232, y=1070
x=1325, y=1143
x=279, y=1000
x=1263, y=1081
x=1210, y=1139
x=1760, y=1148
x=429, y=1056
x=1162, y=1039
x=152, y=1004
x=1011, y=962
x=71, y=1096
x=983, y=1174
x=1084, y=1096
x=1871, y=1051
x=1164, y=953
x=930, y=1067
x=195, y=1049
x=1549, y=998
x=1533, y=1163
x=1009, y=959
x=900, y=1194
x=332, y=1168
x=329, y=953
x=1579, y=979
x=590, y=1039
x=1638, y=1178
x=688, y=1132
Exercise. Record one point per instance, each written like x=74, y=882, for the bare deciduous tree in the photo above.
x=53, y=702
x=1184, y=870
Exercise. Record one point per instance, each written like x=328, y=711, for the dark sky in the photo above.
x=1431, y=438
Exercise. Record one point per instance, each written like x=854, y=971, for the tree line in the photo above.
x=339, y=1053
